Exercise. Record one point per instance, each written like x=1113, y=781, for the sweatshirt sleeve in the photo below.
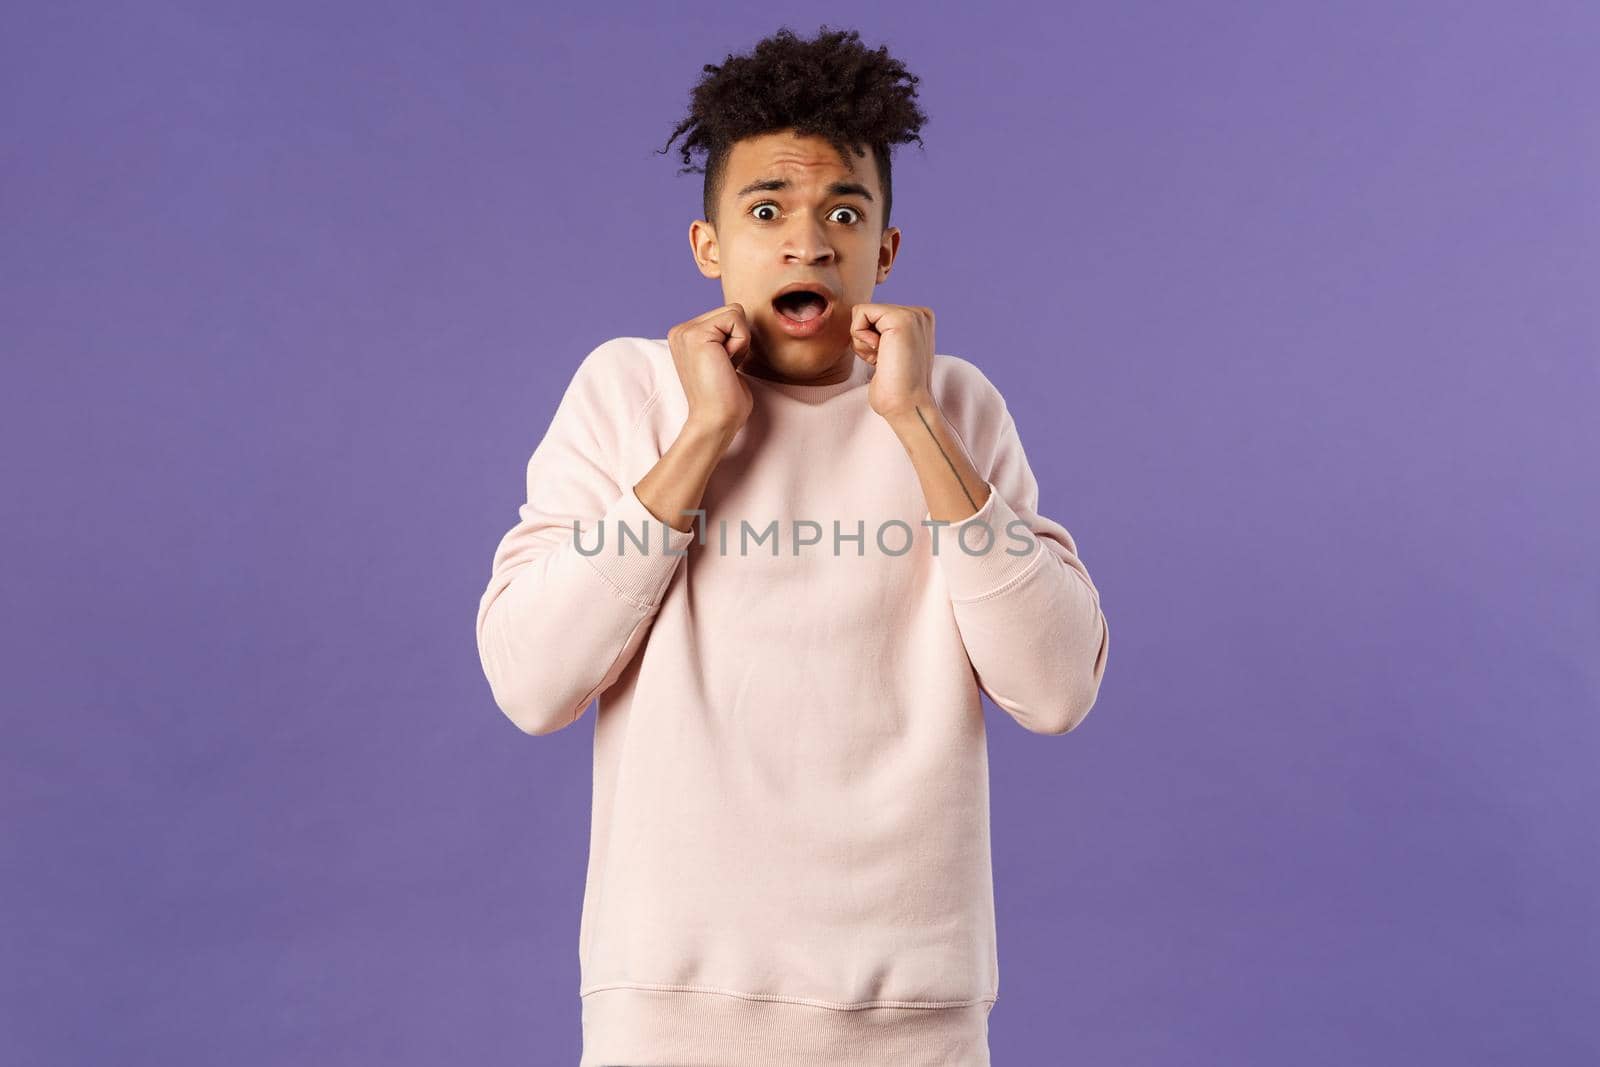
x=1031, y=623
x=556, y=626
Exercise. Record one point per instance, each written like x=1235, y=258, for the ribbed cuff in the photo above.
x=639, y=574
x=977, y=564
x=630, y=1026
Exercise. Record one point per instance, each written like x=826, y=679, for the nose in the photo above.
x=806, y=241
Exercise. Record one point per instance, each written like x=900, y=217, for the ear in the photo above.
x=703, y=243
x=888, y=248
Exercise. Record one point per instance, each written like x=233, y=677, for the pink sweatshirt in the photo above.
x=789, y=854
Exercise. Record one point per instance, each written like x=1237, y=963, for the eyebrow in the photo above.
x=779, y=184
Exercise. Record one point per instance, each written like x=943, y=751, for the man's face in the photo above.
x=820, y=226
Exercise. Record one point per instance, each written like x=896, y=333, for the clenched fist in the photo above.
x=708, y=351
x=898, y=341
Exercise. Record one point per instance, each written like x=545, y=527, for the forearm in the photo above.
x=558, y=627
x=951, y=485
x=1028, y=613
x=566, y=609
x=677, y=483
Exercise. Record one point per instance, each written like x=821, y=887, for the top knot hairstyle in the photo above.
x=830, y=86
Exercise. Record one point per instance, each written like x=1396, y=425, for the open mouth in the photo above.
x=803, y=303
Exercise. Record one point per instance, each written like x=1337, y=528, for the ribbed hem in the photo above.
x=976, y=564
x=625, y=1026
x=641, y=575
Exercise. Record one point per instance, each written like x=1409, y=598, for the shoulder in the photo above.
x=621, y=377
x=626, y=363
x=966, y=395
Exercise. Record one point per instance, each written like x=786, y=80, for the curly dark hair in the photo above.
x=830, y=86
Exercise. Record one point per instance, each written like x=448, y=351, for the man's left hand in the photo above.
x=898, y=341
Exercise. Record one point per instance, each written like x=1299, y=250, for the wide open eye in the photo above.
x=856, y=215
x=765, y=204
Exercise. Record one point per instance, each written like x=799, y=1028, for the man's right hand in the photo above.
x=708, y=351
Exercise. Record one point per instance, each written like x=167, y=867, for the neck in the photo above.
x=838, y=372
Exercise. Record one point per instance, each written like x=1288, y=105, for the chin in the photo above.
x=801, y=353
x=809, y=361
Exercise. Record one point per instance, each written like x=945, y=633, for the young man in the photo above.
x=789, y=856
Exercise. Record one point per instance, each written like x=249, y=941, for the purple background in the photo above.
x=1295, y=306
